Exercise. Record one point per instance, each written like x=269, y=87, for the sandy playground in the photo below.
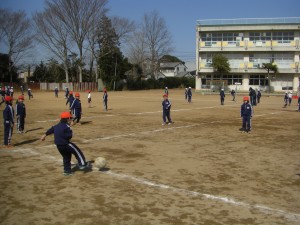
x=199, y=170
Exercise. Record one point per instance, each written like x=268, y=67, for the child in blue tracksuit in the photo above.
x=285, y=99
x=76, y=108
x=66, y=92
x=70, y=100
x=166, y=105
x=246, y=114
x=56, y=92
x=105, y=98
x=29, y=93
x=21, y=114
x=8, y=119
x=189, y=94
x=222, y=96
x=62, y=136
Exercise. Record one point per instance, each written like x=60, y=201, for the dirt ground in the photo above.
x=199, y=170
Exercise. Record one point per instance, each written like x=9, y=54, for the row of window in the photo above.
x=281, y=36
x=261, y=80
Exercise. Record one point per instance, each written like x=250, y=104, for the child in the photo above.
x=62, y=136
x=56, y=92
x=186, y=93
x=105, y=97
x=233, y=94
x=222, y=96
x=299, y=103
x=70, y=99
x=89, y=99
x=21, y=114
x=246, y=114
x=76, y=108
x=166, y=105
x=285, y=99
x=29, y=93
x=8, y=118
x=189, y=93
x=290, y=96
x=258, y=96
x=66, y=92
x=166, y=91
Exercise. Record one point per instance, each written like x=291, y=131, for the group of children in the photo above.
x=63, y=132
x=9, y=116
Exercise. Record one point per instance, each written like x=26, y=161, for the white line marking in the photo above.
x=262, y=208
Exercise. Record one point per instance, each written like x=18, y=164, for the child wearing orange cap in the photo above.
x=246, y=114
x=76, y=108
x=8, y=118
x=166, y=105
x=62, y=136
x=21, y=114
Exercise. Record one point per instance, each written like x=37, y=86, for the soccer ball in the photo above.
x=100, y=163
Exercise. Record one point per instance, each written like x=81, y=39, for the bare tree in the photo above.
x=123, y=27
x=137, y=50
x=157, y=39
x=78, y=17
x=15, y=30
x=52, y=33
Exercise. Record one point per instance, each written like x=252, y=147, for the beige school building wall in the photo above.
x=247, y=44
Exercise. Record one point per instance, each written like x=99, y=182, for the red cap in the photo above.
x=71, y=92
x=165, y=95
x=65, y=115
x=8, y=98
x=21, y=97
x=246, y=98
x=77, y=94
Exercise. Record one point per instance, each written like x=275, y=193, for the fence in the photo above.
x=82, y=86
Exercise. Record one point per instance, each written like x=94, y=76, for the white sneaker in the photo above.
x=163, y=124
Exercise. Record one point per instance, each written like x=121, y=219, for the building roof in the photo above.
x=248, y=21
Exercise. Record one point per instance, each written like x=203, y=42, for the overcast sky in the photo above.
x=181, y=16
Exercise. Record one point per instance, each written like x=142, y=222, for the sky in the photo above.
x=181, y=15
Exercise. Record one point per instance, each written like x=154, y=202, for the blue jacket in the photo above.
x=20, y=109
x=70, y=100
x=166, y=104
x=105, y=96
x=246, y=110
x=76, y=107
x=62, y=133
x=222, y=94
x=8, y=114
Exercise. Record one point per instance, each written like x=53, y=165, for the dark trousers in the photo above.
x=222, y=100
x=105, y=104
x=246, y=123
x=258, y=99
x=8, y=131
x=20, y=123
x=67, y=151
x=77, y=117
x=166, y=115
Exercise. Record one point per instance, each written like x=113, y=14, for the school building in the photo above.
x=247, y=44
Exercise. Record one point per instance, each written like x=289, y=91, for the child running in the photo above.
x=21, y=114
x=166, y=105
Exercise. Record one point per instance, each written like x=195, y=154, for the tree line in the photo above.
x=83, y=41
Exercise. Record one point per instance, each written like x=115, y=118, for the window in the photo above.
x=260, y=80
